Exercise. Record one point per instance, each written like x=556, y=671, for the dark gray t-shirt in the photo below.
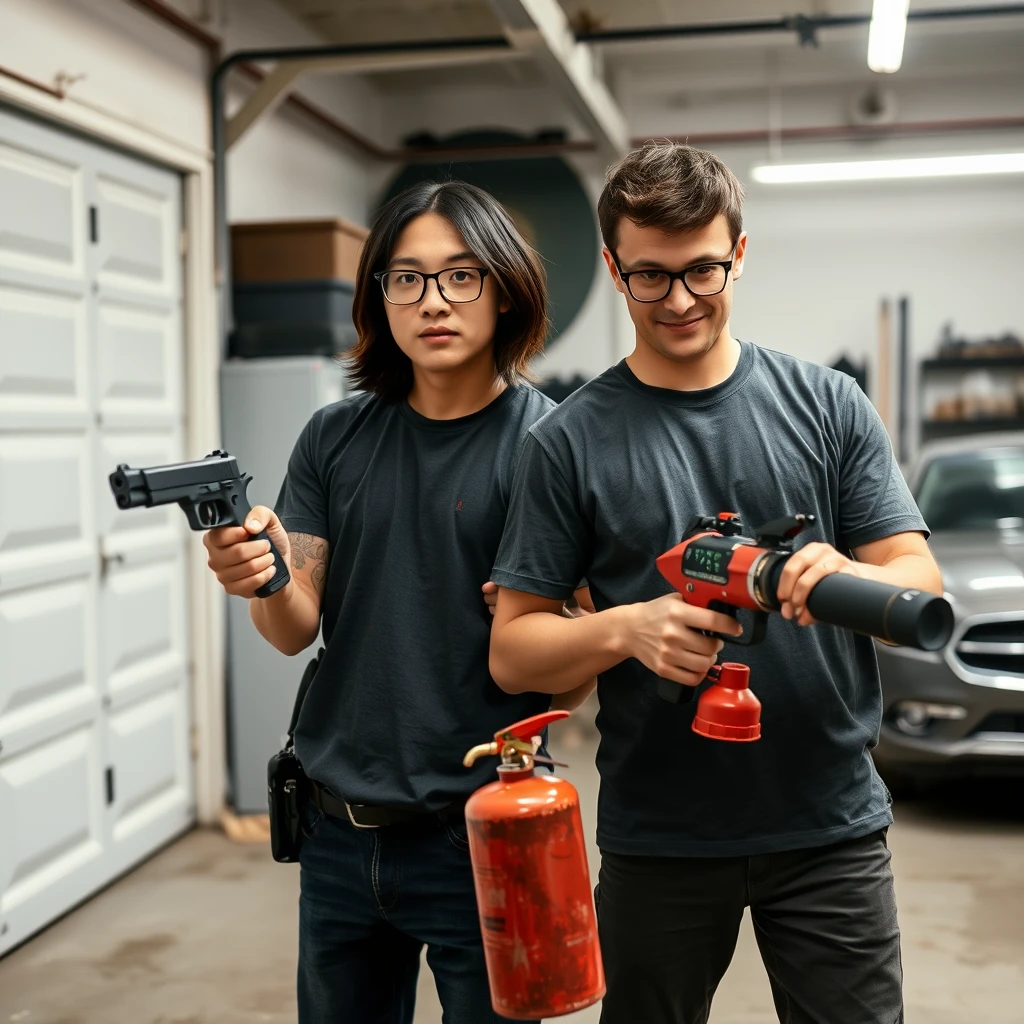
x=414, y=510
x=606, y=483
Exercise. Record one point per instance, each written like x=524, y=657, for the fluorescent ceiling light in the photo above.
x=886, y=34
x=871, y=170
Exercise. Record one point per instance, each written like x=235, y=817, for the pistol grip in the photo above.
x=281, y=577
x=242, y=508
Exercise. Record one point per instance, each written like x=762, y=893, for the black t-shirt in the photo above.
x=606, y=483
x=414, y=510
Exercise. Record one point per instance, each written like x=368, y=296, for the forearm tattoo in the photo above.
x=306, y=546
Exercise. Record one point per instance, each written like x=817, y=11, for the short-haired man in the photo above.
x=693, y=423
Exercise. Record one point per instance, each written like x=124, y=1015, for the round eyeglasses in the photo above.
x=457, y=284
x=654, y=285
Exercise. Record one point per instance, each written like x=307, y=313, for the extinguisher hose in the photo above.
x=910, y=618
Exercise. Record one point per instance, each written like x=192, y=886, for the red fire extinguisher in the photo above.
x=532, y=883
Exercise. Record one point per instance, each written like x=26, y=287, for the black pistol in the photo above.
x=211, y=492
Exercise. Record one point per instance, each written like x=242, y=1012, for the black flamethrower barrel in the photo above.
x=901, y=615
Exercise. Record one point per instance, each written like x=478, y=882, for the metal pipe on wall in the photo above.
x=840, y=131
x=804, y=25
x=371, y=149
x=245, y=61
x=367, y=147
x=185, y=26
x=34, y=83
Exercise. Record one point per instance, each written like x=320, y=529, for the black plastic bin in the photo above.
x=257, y=341
x=327, y=301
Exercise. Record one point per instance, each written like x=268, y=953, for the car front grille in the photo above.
x=994, y=647
x=1003, y=722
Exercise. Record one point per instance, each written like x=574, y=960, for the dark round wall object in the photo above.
x=548, y=203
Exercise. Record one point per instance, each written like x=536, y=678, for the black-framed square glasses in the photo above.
x=456, y=284
x=700, y=280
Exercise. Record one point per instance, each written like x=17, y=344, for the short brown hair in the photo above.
x=376, y=363
x=672, y=187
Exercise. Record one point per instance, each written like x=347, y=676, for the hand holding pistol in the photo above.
x=211, y=493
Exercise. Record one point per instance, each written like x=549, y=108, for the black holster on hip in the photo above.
x=287, y=785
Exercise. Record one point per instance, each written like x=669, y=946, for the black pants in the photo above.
x=825, y=921
x=371, y=900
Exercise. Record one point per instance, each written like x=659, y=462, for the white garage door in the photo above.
x=94, y=755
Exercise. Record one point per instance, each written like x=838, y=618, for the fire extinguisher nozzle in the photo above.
x=481, y=750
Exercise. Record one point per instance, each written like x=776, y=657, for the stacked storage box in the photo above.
x=292, y=286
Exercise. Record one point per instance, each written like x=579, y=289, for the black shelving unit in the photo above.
x=942, y=366
x=974, y=363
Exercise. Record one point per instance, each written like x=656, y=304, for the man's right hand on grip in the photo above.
x=242, y=564
x=671, y=638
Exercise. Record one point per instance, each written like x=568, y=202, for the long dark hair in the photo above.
x=376, y=363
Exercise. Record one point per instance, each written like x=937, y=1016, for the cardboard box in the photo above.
x=296, y=250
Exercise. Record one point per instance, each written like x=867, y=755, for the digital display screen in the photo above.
x=706, y=560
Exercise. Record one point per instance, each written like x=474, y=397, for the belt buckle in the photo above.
x=356, y=824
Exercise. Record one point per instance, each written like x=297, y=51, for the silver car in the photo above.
x=961, y=710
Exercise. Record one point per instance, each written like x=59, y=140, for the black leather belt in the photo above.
x=368, y=816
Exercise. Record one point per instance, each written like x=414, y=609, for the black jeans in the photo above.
x=825, y=921
x=371, y=900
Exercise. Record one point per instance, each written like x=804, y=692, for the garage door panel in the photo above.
x=46, y=520
x=44, y=381
x=94, y=675
x=42, y=212
x=52, y=796
x=138, y=237
x=46, y=687
x=139, y=377
x=143, y=634
x=146, y=749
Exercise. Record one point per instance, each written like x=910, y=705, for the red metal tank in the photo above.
x=532, y=882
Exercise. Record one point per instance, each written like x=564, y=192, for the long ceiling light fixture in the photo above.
x=886, y=34
x=875, y=170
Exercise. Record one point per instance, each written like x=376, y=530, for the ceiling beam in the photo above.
x=273, y=90
x=540, y=28
x=269, y=95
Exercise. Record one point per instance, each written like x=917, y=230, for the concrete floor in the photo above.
x=204, y=933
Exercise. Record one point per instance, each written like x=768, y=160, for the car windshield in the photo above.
x=982, y=490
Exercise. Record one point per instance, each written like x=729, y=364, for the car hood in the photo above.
x=982, y=571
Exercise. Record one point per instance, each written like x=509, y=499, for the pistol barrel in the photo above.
x=135, y=488
x=129, y=487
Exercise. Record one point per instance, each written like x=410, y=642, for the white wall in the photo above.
x=124, y=62
x=851, y=245
x=147, y=74
x=600, y=334
x=821, y=257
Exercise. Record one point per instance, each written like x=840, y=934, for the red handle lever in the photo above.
x=530, y=727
